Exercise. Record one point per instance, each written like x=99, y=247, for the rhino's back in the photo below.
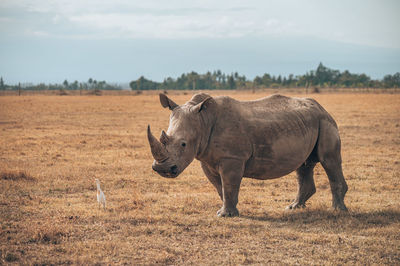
x=271, y=108
x=280, y=132
x=278, y=104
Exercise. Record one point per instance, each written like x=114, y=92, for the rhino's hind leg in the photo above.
x=338, y=184
x=329, y=155
x=305, y=179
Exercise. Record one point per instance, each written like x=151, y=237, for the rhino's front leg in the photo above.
x=231, y=172
x=214, y=177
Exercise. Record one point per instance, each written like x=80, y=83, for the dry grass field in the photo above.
x=53, y=147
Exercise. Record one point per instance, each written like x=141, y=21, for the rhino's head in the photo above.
x=177, y=148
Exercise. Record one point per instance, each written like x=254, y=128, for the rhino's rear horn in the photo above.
x=164, y=137
x=157, y=149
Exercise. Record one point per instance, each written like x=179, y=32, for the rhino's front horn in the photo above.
x=157, y=149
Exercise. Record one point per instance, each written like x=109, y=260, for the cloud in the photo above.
x=56, y=19
x=215, y=24
x=39, y=33
x=177, y=19
x=354, y=22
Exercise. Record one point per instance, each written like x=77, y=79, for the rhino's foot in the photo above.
x=339, y=207
x=227, y=212
x=295, y=205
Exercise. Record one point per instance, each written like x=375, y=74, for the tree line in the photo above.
x=91, y=84
x=193, y=81
x=217, y=80
x=321, y=77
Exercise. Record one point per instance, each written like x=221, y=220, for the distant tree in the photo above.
x=279, y=80
x=363, y=80
x=144, y=84
x=392, y=81
x=231, y=82
x=2, y=86
x=396, y=80
x=65, y=83
x=267, y=80
x=219, y=76
x=309, y=79
x=75, y=85
x=290, y=81
x=102, y=85
x=192, y=79
x=258, y=81
x=346, y=79
x=40, y=86
x=321, y=75
x=284, y=82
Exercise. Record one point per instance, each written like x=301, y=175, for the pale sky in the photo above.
x=120, y=40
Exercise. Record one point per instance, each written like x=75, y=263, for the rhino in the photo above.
x=261, y=139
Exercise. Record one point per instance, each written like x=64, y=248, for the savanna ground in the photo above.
x=52, y=148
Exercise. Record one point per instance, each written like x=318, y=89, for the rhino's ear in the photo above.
x=204, y=105
x=167, y=102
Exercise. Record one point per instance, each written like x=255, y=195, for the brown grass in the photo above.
x=63, y=143
x=16, y=175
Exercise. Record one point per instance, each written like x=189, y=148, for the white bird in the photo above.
x=101, y=198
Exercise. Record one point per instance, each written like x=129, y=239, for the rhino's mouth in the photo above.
x=169, y=172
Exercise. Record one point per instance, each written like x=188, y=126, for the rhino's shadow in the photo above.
x=326, y=218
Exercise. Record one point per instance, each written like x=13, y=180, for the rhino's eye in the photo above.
x=183, y=144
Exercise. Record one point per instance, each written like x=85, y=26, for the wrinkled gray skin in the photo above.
x=261, y=139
